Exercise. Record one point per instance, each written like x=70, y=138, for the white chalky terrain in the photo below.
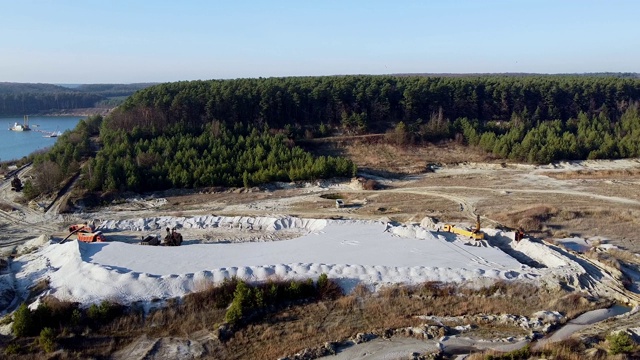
x=352, y=252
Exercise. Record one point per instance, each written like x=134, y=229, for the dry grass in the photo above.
x=286, y=330
x=625, y=256
x=6, y=207
x=593, y=174
x=376, y=155
x=530, y=219
x=569, y=349
x=391, y=308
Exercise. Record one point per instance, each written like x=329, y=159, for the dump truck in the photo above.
x=474, y=233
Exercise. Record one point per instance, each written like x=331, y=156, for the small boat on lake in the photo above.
x=21, y=127
x=52, y=134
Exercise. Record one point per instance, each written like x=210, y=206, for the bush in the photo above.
x=620, y=343
x=29, y=191
x=327, y=289
x=104, y=312
x=76, y=317
x=520, y=354
x=370, y=185
x=240, y=305
x=234, y=314
x=323, y=281
x=22, y=321
x=12, y=349
x=47, y=340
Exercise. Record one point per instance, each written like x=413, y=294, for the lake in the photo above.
x=16, y=144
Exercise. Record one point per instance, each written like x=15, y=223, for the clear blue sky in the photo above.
x=115, y=41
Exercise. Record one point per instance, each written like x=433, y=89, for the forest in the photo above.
x=243, y=132
x=146, y=160
x=528, y=118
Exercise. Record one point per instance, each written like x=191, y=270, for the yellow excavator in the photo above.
x=474, y=233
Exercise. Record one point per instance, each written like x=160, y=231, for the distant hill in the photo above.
x=29, y=98
x=27, y=88
x=113, y=89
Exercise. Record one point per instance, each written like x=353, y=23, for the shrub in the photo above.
x=12, y=349
x=294, y=290
x=323, y=281
x=520, y=354
x=104, y=312
x=22, y=321
x=29, y=191
x=620, y=342
x=93, y=312
x=240, y=304
x=76, y=317
x=47, y=339
x=370, y=185
x=234, y=314
x=327, y=289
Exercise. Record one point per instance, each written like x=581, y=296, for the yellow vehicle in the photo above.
x=474, y=233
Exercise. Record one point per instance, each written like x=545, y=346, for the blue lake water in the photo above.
x=16, y=144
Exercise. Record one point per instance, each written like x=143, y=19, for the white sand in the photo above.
x=351, y=252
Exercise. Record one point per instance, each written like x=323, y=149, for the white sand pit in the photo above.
x=351, y=252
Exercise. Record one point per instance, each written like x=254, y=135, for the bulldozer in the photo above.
x=474, y=233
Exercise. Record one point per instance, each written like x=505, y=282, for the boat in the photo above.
x=51, y=134
x=21, y=127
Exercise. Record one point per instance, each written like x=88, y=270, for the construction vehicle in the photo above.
x=86, y=233
x=518, y=235
x=81, y=227
x=16, y=184
x=173, y=238
x=474, y=233
x=153, y=240
x=90, y=237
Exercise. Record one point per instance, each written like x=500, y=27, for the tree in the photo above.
x=22, y=321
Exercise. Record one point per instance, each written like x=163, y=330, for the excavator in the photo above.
x=474, y=233
x=86, y=233
x=81, y=227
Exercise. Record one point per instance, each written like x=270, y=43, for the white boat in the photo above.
x=52, y=134
x=21, y=127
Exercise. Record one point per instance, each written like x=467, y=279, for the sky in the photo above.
x=117, y=41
